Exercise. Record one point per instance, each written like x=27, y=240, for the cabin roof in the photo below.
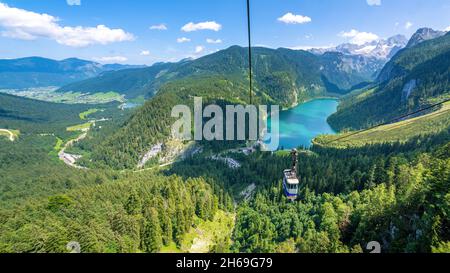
x=291, y=177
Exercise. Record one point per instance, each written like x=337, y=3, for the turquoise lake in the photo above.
x=300, y=125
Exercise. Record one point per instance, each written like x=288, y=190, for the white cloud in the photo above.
x=111, y=59
x=374, y=2
x=145, y=53
x=199, y=49
x=159, y=27
x=210, y=25
x=183, y=40
x=198, y=52
x=27, y=25
x=358, y=37
x=212, y=41
x=408, y=25
x=74, y=2
x=306, y=47
x=263, y=45
x=290, y=18
x=447, y=29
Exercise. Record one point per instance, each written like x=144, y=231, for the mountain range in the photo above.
x=382, y=49
x=333, y=70
x=301, y=72
x=415, y=76
x=41, y=72
x=423, y=35
x=360, y=63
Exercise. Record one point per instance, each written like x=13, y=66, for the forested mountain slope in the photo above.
x=139, y=213
x=404, y=206
x=130, y=81
x=151, y=124
x=396, y=194
x=426, y=125
x=284, y=77
x=414, y=78
x=308, y=74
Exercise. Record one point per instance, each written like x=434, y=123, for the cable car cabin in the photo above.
x=290, y=184
x=290, y=180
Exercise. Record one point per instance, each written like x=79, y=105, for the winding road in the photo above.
x=70, y=159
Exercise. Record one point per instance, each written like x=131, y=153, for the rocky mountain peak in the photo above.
x=424, y=34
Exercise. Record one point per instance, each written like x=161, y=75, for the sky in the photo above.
x=145, y=32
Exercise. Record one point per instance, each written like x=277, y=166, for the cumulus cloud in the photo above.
x=74, y=2
x=408, y=25
x=209, y=25
x=374, y=2
x=183, y=40
x=212, y=41
x=27, y=25
x=111, y=59
x=447, y=29
x=199, y=49
x=290, y=18
x=159, y=27
x=145, y=53
x=359, y=38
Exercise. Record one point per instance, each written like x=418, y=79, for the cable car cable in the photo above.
x=390, y=122
x=249, y=49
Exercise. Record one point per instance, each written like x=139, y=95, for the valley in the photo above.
x=49, y=94
x=108, y=174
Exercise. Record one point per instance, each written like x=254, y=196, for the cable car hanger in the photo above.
x=249, y=50
x=290, y=179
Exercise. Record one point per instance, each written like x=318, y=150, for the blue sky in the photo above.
x=144, y=32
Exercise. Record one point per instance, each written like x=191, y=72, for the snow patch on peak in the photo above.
x=382, y=49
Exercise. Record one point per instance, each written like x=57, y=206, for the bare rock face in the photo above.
x=423, y=35
x=408, y=89
x=382, y=49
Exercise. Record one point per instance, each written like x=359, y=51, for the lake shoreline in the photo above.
x=313, y=99
x=299, y=125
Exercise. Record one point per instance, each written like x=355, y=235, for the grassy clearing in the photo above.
x=401, y=131
x=205, y=234
x=59, y=145
x=81, y=127
x=138, y=100
x=171, y=248
x=84, y=115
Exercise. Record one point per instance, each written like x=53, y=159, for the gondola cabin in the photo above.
x=290, y=179
x=290, y=184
